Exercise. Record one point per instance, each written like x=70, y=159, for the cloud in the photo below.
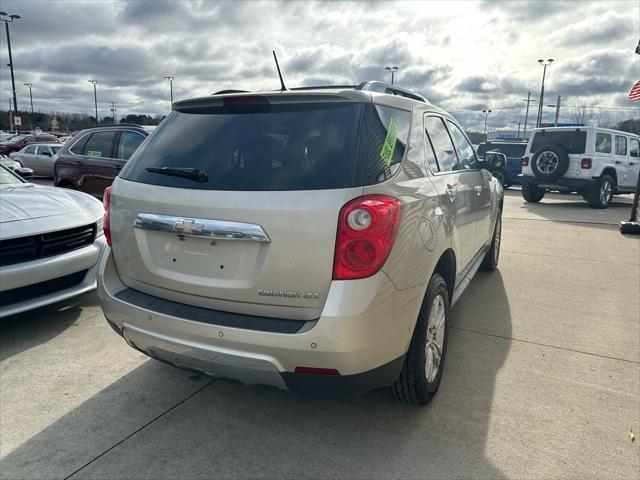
x=463, y=56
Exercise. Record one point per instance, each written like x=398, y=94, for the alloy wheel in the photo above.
x=435, y=338
x=606, y=191
x=547, y=162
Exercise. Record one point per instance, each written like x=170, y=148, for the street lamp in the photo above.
x=543, y=63
x=486, y=115
x=95, y=97
x=7, y=21
x=392, y=70
x=170, y=78
x=30, y=98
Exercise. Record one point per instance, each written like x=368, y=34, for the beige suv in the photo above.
x=311, y=239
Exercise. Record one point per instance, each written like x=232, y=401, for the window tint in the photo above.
x=573, y=141
x=385, y=139
x=43, y=138
x=30, y=138
x=603, y=142
x=78, y=147
x=55, y=149
x=621, y=145
x=430, y=155
x=99, y=145
x=30, y=149
x=634, y=147
x=464, y=149
x=128, y=143
x=267, y=147
x=42, y=150
x=444, y=149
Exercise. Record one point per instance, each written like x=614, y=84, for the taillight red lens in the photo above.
x=367, y=228
x=524, y=161
x=106, y=200
x=585, y=163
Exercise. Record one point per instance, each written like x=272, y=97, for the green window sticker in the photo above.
x=389, y=145
x=94, y=153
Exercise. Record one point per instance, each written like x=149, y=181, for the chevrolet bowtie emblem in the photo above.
x=188, y=227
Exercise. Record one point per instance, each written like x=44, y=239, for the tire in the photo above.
x=532, y=193
x=601, y=193
x=490, y=261
x=413, y=387
x=501, y=176
x=550, y=162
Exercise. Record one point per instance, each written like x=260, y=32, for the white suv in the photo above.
x=595, y=162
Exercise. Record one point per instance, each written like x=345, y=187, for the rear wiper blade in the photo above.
x=190, y=173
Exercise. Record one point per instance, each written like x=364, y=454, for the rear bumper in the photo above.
x=363, y=333
x=44, y=275
x=575, y=183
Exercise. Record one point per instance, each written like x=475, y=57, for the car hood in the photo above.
x=29, y=209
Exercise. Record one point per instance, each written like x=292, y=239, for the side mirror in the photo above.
x=24, y=172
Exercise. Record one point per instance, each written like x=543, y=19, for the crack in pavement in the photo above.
x=543, y=345
x=139, y=429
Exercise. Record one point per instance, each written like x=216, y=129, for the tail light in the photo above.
x=106, y=200
x=585, y=163
x=367, y=228
x=524, y=161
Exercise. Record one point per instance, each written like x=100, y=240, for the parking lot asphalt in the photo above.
x=542, y=381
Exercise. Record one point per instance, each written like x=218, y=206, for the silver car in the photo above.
x=50, y=243
x=312, y=239
x=40, y=157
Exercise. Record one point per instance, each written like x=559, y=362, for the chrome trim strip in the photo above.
x=201, y=227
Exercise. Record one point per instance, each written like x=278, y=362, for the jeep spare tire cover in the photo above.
x=550, y=162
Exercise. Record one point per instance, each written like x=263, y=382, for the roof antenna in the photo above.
x=283, y=87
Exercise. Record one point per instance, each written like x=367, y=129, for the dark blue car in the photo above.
x=513, y=151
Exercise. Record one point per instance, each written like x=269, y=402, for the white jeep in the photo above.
x=594, y=162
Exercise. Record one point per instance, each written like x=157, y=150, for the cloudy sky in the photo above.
x=464, y=56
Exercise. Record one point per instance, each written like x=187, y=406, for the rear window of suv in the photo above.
x=275, y=147
x=573, y=141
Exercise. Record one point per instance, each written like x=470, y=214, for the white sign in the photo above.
x=17, y=121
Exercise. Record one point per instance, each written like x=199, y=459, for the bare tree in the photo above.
x=582, y=113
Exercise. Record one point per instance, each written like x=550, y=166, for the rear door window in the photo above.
x=264, y=148
x=603, y=142
x=621, y=145
x=442, y=145
x=464, y=149
x=573, y=141
x=30, y=149
x=99, y=145
x=634, y=147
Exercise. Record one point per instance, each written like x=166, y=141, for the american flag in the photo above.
x=634, y=94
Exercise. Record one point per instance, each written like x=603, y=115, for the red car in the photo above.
x=21, y=141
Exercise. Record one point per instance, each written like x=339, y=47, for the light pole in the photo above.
x=526, y=115
x=544, y=64
x=486, y=115
x=95, y=98
x=30, y=98
x=170, y=78
x=11, y=18
x=392, y=70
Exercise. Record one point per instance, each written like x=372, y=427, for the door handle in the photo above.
x=478, y=189
x=632, y=163
x=451, y=192
x=618, y=162
x=117, y=167
x=78, y=164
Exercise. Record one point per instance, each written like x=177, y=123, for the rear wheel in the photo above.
x=601, y=193
x=492, y=256
x=531, y=193
x=422, y=370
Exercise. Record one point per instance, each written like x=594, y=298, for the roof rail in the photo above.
x=221, y=92
x=382, y=87
x=324, y=87
x=117, y=125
